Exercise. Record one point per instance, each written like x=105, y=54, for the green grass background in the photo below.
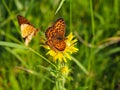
x=96, y=25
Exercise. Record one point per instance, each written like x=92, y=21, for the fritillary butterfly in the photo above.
x=27, y=30
x=56, y=35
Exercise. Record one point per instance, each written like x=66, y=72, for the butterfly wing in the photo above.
x=29, y=38
x=59, y=44
x=22, y=20
x=56, y=44
x=49, y=32
x=50, y=44
x=59, y=27
x=55, y=35
x=27, y=30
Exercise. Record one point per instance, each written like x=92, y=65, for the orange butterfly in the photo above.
x=27, y=30
x=56, y=35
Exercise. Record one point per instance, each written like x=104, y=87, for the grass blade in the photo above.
x=60, y=5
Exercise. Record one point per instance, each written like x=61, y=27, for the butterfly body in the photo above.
x=56, y=35
x=27, y=30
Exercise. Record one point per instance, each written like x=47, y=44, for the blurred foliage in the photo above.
x=96, y=24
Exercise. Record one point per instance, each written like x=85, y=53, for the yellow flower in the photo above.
x=65, y=70
x=66, y=54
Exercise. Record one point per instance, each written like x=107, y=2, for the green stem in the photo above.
x=41, y=56
x=63, y=83
x=60, y=78
x=71, y=16
x=92, y=21
x=80, y=65
x=60, y=84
